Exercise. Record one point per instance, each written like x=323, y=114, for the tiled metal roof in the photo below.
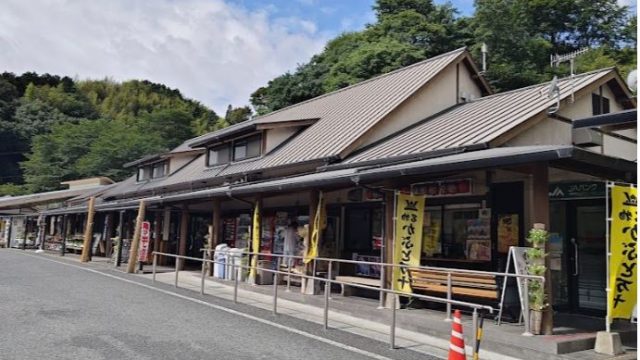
x=345, y=115
x=45, y=197
x=477, y=122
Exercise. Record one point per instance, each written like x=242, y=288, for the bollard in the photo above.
x=236, y=280
x=476, y=349
x=382, y=293
x=474, y=326
x=448, y=318
x=327, y=290
x=275, y=293
x=175, y=284
x=330, y=276
x=392, y=332
x=153, y=267
x=525, y=311
x=203, y=272
x=288, y=273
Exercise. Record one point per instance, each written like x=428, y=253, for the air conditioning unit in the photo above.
x=586, y=137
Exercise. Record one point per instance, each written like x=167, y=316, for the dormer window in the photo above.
x=219, y=155
x=153, y=171
x=236, y=150
x=142, y=174
x=247, y=148
x=160, y=169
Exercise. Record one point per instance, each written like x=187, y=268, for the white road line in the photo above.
x=225, y=309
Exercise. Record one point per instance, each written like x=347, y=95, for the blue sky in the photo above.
x=332, y=16
x=215, y=51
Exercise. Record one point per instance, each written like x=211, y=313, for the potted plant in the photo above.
x=537, y=237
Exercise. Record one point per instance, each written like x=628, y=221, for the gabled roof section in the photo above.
x=346, y=114
x=476, y=123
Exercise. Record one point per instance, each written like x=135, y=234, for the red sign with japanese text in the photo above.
x=145, y=235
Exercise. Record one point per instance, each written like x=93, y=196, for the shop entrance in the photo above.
x=577, y=256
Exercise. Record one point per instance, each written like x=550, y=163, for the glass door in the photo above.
x=587, y=256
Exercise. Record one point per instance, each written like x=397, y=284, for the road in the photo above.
x=57, y=309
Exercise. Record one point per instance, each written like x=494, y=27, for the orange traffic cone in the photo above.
x=456, y=347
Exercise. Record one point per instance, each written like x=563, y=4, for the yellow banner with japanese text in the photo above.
x=255, y=240
x=408, y=238
x=623, y=271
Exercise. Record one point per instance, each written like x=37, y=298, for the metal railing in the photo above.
x=328, y=281
x=449, y=272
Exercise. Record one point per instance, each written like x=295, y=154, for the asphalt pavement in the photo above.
x=58, y=309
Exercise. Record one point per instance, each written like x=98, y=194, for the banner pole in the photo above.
x=608, y=255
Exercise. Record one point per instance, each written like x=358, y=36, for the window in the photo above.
x=599, y=104
x=143, y=173
x=247, y=148
x=218, y=155
x=160, y=169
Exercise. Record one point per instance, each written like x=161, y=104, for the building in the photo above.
x=490, y=165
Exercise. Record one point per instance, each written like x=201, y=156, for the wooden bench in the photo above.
x=347, y=290
x=462, y=284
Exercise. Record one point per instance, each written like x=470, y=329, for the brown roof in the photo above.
x=474, y=123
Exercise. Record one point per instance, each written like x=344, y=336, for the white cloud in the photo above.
x=211, y=51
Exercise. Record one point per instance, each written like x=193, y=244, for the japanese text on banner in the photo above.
x=623, y=272
x=255, y=240
x=408, y=239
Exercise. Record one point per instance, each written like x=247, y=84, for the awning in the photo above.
x=626, y=119
x=562, y=156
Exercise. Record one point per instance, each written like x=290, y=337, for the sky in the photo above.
x=215, y=51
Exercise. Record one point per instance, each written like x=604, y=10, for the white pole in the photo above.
x=608, y=186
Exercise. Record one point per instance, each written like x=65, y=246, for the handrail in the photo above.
x=448, y=271
x=418, y=267
x=311, y=277
x=327, y=281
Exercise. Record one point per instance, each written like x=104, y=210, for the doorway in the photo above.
x=577, y=255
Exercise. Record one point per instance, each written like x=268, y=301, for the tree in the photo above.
x=237, y=115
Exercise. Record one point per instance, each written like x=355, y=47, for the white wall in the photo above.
x=548, y=132
x=582, y=108
x=439, y=94
x=177, y=161
x=277, y=136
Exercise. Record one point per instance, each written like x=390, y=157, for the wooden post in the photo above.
x=135, y=242
x=314, y=197
x=108, y=245
x=88, y=231
x=214, y=238
x=540, y=217
x=156, y=230
x=184, y=233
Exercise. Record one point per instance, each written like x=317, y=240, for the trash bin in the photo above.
x=264, y=277
x=238, y=258
x=220, y=257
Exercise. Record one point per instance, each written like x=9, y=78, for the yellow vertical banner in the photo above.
x=319, y=223
x=623, y=270
x=407, y=243
x=255, y=240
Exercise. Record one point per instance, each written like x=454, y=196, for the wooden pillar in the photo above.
x=135, y=242
x=184, y=233
x=156, y=230
x=88, y=231
x=540, y=217
x=214, y=230
x=389, y=202
x=108, y=245
x=314, y=196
